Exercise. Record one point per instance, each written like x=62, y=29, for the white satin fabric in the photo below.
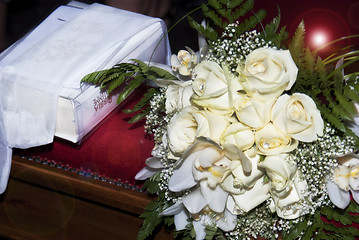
x=30, y=84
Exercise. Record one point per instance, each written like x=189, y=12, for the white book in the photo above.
x=80, y=106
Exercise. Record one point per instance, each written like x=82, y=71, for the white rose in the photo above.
x=253, y=112
x=291, y=206
x=268, y=72
x=178, y=97
x=270, y=141
x=211, y=87
x=286, y=187
x=239, y=135
x=253, y=197
x=280, y=169
x=188, y=124
x=237, y=181
x=298, y=116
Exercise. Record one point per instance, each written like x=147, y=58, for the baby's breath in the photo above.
x=316, y=163
x=233, y=51
x=259, y=222
x=156, y=119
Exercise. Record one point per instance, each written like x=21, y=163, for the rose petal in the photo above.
x=257, y=195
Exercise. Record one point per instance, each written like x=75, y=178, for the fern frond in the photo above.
x=239, y=12
x=208, y=32
x=250, y=23
x=296, y=46
x=220, y=13
x=127, y=77
x=144, y=101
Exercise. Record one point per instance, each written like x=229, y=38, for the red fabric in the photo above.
x=116, y=149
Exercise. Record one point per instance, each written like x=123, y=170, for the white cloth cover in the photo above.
x=30, y=84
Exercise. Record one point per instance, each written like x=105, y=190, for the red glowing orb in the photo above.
x=319, y=38
x=324, y=26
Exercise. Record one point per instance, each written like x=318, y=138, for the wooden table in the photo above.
x=43, y=202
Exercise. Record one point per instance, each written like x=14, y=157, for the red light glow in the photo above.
x=319, y=38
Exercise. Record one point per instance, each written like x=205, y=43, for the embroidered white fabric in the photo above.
x=30, y=84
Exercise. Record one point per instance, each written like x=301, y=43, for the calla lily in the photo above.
x=237, y=180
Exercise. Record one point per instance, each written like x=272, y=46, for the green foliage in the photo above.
x=152, y=184
x=319, y=225
x=220, y=13
x=126, y=77
x=333, y=95
x=214, y=233
x=296, y=46
x=271, y=33
x=187, y=234
x=152, y=217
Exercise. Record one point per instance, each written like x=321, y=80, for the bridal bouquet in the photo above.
x=252, y=138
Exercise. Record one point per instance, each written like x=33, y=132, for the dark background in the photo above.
x=337, y=18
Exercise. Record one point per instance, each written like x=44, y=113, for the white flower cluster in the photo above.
x=317, y=162
x=230, y=51
x=231, y=136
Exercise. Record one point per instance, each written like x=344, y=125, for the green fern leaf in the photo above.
x=117, y=81
x=144, y=100
x=237, y=12
x=309, y=61
x=208, y=32
x=138, y=117
x=346, y=104
x=152, y=218
x=297, y=44
x=214, y=15
x=232, y=4
x=250, y=23
x=95, y=77
x=161, y=73
x=135, y=83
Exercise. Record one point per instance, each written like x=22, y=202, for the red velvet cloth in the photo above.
x=116, y=149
